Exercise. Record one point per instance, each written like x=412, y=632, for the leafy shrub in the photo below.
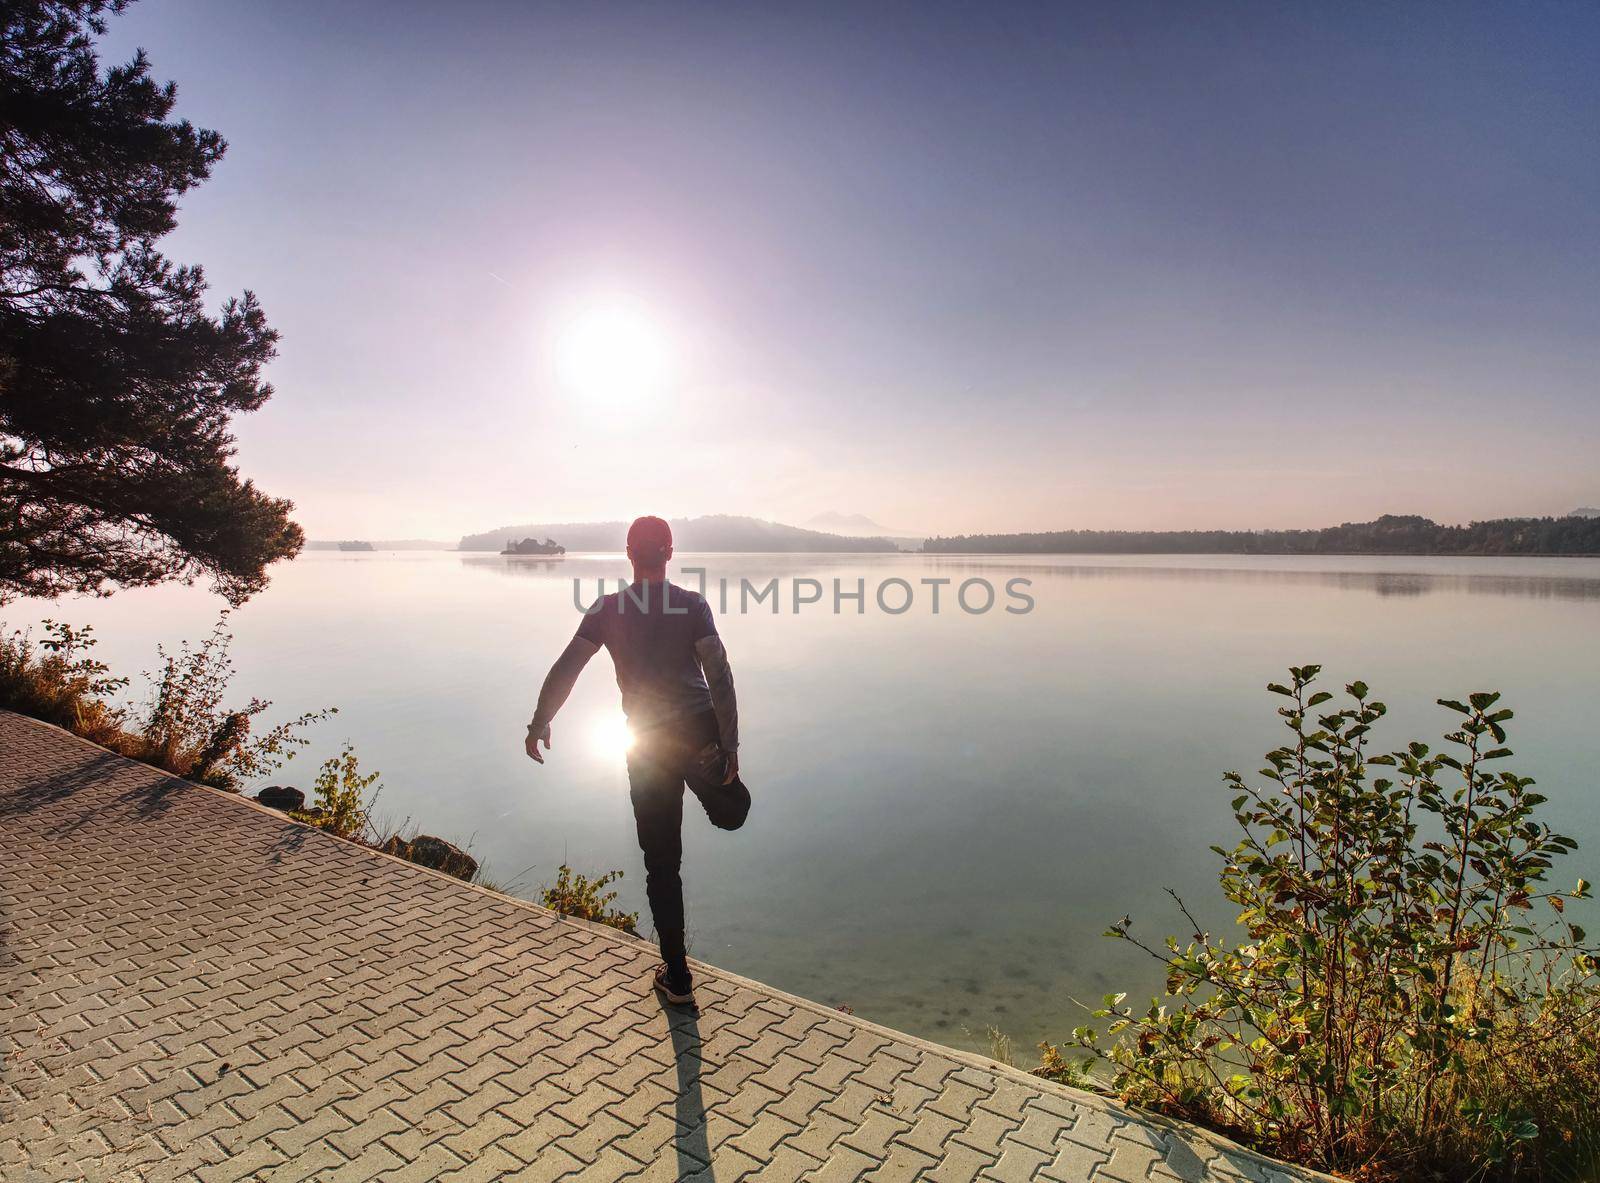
x=183, y=728
x=186, y=729
x=1054, y=1065
x=1411, y=999
x=58, y=681
x=341, y=805
x=574, y=895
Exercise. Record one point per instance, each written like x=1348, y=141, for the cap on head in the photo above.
x=649, y=541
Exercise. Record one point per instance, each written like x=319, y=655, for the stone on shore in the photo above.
x=427, y=851
x=284, y=797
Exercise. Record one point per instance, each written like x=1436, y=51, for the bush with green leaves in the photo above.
x=1063, y=1069
x=573, y=894
x=183, y=727
x=341, y=803
x=57, y=680
x=1410, y=997
x=186, y=729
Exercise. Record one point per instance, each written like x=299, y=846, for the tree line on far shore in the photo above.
x=1391, y=534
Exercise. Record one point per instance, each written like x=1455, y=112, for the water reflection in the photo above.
x=1383, y=576
x=589, y=567
x=514, y=565
x=1381, y=583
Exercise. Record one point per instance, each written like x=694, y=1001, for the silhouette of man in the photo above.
x=677, y=692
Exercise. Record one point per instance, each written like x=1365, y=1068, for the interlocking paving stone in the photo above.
x=192, y=987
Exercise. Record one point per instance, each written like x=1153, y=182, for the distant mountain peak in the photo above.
x=856, y=524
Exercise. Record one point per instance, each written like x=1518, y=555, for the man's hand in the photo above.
x=733, y=768
x=533, y=743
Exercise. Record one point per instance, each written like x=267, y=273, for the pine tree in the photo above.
x=117, y=386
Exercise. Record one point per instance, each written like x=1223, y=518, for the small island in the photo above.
x=549, y=548
x=355, y=546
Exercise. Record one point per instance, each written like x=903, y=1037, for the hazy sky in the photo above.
x=987, y=267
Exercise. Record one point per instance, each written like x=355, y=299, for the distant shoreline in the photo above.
x=380, y=547
x=1391, y=534
x=1572, y=537
x=1575, y=536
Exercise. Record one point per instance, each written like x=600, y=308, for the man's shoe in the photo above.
x=674, y=990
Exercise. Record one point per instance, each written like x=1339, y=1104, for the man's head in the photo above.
x=649, y=546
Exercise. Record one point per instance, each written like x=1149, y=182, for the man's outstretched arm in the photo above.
x=558, y=684
x=719, y=677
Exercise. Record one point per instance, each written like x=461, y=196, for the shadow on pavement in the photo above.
x=39, y=792
x=693, y=1145
x=57, y=789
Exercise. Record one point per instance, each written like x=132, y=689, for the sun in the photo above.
x=610, y=735
x=613, y=353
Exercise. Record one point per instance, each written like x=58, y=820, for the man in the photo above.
x=677, y=692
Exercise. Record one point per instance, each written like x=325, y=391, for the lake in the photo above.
x=950, y=806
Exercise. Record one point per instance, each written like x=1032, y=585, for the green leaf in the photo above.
x=1452, y=704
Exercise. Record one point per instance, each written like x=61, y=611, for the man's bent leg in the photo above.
x=657, y=795
x=726, y=805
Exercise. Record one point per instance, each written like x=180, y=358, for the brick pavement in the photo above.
x=193, y=987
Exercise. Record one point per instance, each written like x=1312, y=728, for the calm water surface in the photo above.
x=949, y=808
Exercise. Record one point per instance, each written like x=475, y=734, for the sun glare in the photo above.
x=610, y=735
x=614, y=354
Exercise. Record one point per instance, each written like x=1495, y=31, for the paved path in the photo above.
x=192, y=987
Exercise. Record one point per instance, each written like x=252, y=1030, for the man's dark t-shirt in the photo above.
x=651, y=641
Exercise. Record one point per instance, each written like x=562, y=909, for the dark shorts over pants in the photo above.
x=661, y=762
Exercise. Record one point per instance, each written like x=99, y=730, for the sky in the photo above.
x=957, y=268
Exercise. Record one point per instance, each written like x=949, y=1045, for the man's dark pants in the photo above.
x=661, y=762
